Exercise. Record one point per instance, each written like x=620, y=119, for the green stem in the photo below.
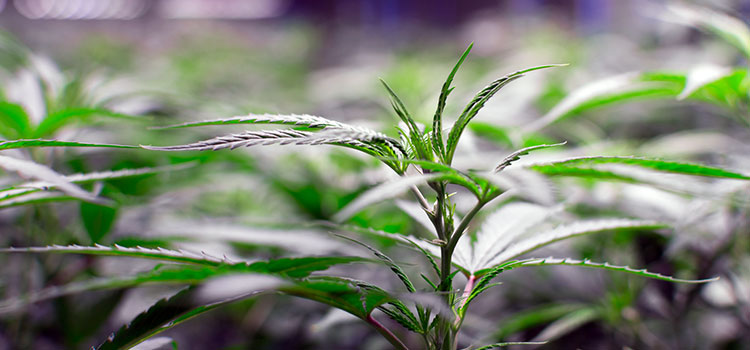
x=386, y=333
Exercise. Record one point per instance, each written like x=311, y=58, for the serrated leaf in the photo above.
x=398, y=312
x=498, y=231
x=355, y=297
x=181, y=256
x=382, y=192
x=524, y=151
x=306, y=120
x=476, y=104
x=38, y=171
x=605, y=266
x=201, y=270
x=29, y=192
x=181, y=307
x=437, y=120
x=53, y=143
x=397, y=270
x=367, y=141
x=530, y=242
x=416, y=136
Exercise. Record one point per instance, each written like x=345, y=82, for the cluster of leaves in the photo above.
x=519, y=221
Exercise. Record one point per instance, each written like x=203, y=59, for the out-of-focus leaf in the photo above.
x=97, y=220
x=655, y=164
x=158, y=343
x=729, y=28
x=43, y=173
x=58, y=119
x=568, y=323
x=533, y=317
x=612, y=90
x=14, y=122
x=524, y=151
x=53, y=143
x=701, y=76
x=382, y=192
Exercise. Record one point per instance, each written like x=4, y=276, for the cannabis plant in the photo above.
x=462, y=249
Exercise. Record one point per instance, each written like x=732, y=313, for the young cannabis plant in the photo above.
x=422, y=158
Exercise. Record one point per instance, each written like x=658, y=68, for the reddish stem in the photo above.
x=385, y=332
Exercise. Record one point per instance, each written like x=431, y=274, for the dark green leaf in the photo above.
x=97, y=220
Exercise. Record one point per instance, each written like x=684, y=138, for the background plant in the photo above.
x=232, y=203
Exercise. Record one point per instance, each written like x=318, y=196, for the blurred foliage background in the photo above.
x=646, y=78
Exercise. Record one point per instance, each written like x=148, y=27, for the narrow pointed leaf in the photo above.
x=38, y=171
x=604, y=266
x=732, y=29
x=530, y=242
x=524, y=151
x=568, y=323
x=655, y=164
x=53, y=143
x=14, y=122
x=437, y=120
x=163, y=254
x=306, y=120
x=388, y=261
x=382, y=192
x=476, y=104
x=610, y=91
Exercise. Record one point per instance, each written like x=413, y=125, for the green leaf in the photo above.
x=531, y=241
x=14, y=122
x=533, y=317
x=568, y=323
x=29, y=192
x=306, y=120
x=524, y=151
x=398, y=312
x=610, y=91
x=180, y=256
x=415, y=135
x=38, y=171
x=355, y=297
x=605, y=266
x=730, y=28
x=655, y=164
x=54, y=121
x=588, y=173
x=97, y=220
x=382, y=192
x=152, y=321
x=203, y=268
x=388, y=261
x=52, y=143
x=476, y=104
x=437, y=120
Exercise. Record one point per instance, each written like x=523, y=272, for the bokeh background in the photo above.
x=638, y=83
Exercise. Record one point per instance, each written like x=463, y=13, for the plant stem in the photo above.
x=385, y=332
